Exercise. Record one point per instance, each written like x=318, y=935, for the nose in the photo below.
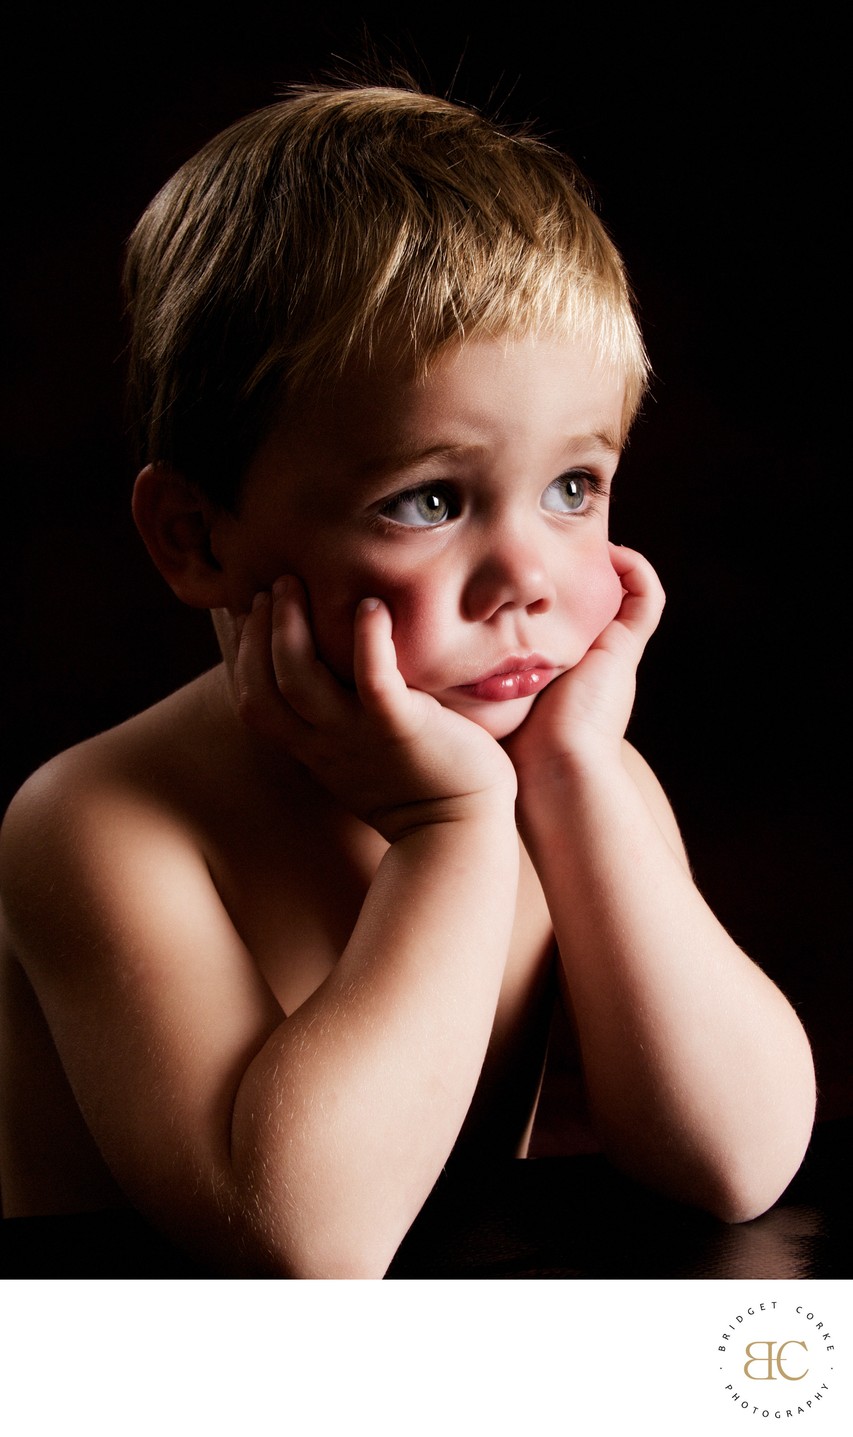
x=508, y=571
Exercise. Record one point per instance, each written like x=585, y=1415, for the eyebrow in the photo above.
x=402, y=459
x=605, y=439
x=412, y=458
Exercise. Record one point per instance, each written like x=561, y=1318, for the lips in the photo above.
x=515, y=678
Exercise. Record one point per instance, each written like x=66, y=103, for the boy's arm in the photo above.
x=306, y=1145
x=698, y=1072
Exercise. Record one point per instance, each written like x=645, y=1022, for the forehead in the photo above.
x=538, y=394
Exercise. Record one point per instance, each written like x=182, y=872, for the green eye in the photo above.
x=419, y=508
x=569, y=494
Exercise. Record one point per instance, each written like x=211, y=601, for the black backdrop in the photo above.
x=714, y=143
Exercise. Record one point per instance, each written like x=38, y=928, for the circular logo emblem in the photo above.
x=776, y=1359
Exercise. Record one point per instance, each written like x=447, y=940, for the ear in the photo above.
x=175, y=522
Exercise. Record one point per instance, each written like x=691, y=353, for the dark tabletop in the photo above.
x=551, y=1217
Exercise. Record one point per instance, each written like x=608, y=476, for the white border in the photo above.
x=395, y=1359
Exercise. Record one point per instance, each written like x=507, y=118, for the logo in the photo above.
x=776, y=1360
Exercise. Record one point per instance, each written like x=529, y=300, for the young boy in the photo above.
x=282, y=944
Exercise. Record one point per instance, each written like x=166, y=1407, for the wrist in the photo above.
x=491, y=810
x=550, y=790
x=478, y=845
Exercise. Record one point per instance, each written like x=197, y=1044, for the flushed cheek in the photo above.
x=424, y=631
x=590, y=597
x=416, y=613
x=331, y=618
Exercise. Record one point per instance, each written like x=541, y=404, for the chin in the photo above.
x=499, y=719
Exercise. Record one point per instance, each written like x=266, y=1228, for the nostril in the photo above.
x=509, y=580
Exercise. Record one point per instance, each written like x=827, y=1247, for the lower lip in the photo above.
x=522, y=684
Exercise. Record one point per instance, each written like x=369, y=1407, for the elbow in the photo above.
x=343, y=1252
x=736, y=1181
x=311, y=1254
x=351, y=1267
x=270, y=1244
x=288, y=1262
x=739, y=1197
x=319, y=1264
x=735, y=1204
x=746, y=1185
x=755, y=1168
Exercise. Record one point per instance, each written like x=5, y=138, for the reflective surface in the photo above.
x=576, y=1218
x=547, y=1218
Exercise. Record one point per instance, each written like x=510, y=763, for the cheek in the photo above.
x=416, y=607
x=593, y=595
x=420, y=613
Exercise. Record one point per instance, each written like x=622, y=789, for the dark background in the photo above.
x=714, y=143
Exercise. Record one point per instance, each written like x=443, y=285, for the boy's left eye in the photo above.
x=420, y=508
x=570, y=494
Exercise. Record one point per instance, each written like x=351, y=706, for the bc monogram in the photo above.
x=771, y=1359
x=799, y=1361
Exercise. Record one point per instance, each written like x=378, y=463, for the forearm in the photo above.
x=698, y=1072
x=344, y=1119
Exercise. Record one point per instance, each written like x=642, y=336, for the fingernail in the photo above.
x=282, y=588
x=369, y=604
x=258, y=600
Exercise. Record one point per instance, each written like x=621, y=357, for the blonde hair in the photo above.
x=339, y=222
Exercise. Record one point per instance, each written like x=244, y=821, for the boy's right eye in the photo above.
x=422, y=508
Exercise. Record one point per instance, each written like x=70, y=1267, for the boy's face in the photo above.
x=474, y=503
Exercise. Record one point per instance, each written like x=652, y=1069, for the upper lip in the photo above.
x=515, y=664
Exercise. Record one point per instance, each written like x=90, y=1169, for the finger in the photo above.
x=301, y=678
x=380, y=685
x=644, y=598
x=633, y=567
x=259, y=702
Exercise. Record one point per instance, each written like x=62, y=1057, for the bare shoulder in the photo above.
x=85, y=808
x=152, y=1000
x=650, y=787
x=113, y=852
x=55, y=822
x=102, y=866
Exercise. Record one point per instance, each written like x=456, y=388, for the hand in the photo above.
x=390, y=754
x=584, y=713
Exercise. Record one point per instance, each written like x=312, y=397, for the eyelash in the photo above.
x=408, y=495
x=593, y=486
x=594, y=489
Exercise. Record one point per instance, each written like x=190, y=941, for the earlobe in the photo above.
x=174, y=520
